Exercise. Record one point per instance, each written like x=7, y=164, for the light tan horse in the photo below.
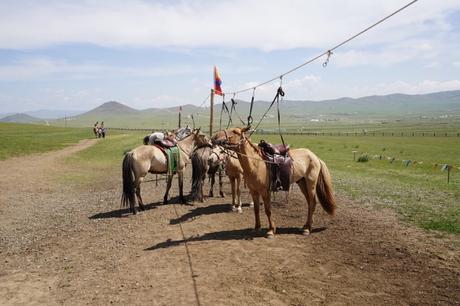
x=235, y=174
x=144, y=159
x=309, y=172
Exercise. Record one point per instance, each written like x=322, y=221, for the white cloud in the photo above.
x=311, y=87
x=49, y=68
x=266, y=25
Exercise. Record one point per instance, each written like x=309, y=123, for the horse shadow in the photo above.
x=199, y=211
x=240, y=234
x=122, y=212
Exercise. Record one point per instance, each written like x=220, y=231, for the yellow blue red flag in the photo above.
x=217, y=82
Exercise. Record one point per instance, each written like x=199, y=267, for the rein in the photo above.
x=241, y=142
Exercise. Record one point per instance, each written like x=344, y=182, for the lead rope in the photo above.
x=280, y=93
x=250, y=119
x=221, y=111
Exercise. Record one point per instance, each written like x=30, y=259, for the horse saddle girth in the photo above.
x=280, y=165
x=166, y=143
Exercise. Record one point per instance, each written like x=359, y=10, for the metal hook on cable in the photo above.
x=329, y=53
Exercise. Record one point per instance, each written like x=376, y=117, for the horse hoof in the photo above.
x=270, y=235
x=306, y=232
x=222, y=195
x=239, y=210
x=251, y=204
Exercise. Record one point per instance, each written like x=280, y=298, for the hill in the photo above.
x=21, y=118
x=293, y=112
x=53, y=113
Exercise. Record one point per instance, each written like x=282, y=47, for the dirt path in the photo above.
x=70, y=244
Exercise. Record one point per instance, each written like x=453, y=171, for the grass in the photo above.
x=23, y=139
x=419, y=192
x=100, y=160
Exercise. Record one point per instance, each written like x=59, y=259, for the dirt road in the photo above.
x=71, y=244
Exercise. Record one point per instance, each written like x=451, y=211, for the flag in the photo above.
x=217, y=82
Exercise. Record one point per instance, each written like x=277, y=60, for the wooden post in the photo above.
x=211, y=120
x=65, y=121
x=180, y=119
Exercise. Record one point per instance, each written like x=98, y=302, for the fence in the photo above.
x=304, y=133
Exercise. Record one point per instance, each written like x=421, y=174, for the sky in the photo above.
x=76, y=55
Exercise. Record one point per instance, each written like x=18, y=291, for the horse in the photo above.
x=234, y=172
x=308, y=171
x=144, y=159
x=206, y=160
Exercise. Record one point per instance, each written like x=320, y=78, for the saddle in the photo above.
x=280, y=164
x=171, y=151
x=166, y=143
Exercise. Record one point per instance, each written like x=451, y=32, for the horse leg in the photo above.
x=308, y=189
x=255, y=198
x=238, y=194
x=213, y=180
x=168, y=186
x=267, y=205
x=221, y=191
x=232, y=184
x=139, y=198
x=180, y=178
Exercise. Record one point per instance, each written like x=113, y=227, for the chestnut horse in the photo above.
x=308, y=171
x=144, y=159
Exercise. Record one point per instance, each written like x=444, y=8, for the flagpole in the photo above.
x=212, y=113
x=180, y=118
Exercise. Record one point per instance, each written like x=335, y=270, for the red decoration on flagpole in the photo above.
x=217, y=82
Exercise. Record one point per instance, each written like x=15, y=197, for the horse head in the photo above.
x=230, y=138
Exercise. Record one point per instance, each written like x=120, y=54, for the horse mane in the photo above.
x=255, y=147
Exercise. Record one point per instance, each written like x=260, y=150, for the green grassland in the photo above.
x=23, y=139
x=419, y=193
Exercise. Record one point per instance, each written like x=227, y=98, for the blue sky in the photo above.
x=78, y=54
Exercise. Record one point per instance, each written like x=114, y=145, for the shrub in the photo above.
x=364, y=158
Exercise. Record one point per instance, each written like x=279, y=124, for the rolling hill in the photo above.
x=21, y=118
x=294, y=113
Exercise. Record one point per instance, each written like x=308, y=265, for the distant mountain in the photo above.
x=53, y=114
x=21, y=118
x=111, y=107
x=370, y=108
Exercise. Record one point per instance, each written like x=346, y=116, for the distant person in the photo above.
x=102, y=129
x=95, y=128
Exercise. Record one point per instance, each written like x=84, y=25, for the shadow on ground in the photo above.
x=199, y=211
x=241, y=234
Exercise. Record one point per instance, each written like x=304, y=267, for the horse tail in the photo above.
x=198, y=173
x=324, y=190
x=128, y=196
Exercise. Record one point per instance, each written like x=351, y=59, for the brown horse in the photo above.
x=235, y=174
x=309, y=172
x=144, y=159
x=206, y=161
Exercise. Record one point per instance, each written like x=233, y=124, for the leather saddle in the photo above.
x=280, y=164
x=166, y=143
